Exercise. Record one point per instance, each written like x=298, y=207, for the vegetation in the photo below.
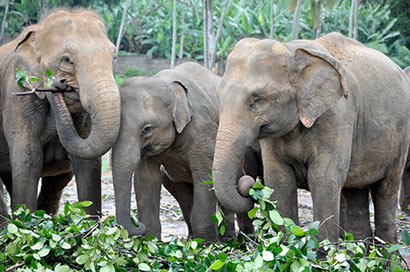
x=382, y=24
x=73, y=241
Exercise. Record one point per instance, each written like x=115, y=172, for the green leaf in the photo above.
x=394, y=248
x=217, y=265
x=405, y=237
x=298, y=231
x=207, y=182
x=267, y=256
x=276, y=218
x=66, y=245
x=82, y=259
x=222, y=229
x=11, y=228
x=252, y=213
x=38, y=246
x=44, y=252
x=62, y=268
x=144, y=267
x=49, y=73
x=258, y=185
x=222, y=256
x=108, y=268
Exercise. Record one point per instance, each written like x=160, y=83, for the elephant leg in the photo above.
x=281, y=177
x=245, y=223
x=26, y=156
x=51, y=191
x=405, y=191
x=4, y=210
x=147, y=185
x=230, y=225
x=88, y=179
x=384, y=196
x=183, y=192
x=205, y=201
x=354, y=213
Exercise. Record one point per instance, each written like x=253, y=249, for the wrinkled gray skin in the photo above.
x=405, y=186
x=330, y=116
x=169, y=119
x=53, y=136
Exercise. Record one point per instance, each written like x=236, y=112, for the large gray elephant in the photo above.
x=405, y=186
x=53, y=135
x=170, y=119
x=331, y=114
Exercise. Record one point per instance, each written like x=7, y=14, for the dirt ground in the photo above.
x=171, y=216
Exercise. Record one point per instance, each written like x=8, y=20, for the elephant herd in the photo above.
x=329, y=115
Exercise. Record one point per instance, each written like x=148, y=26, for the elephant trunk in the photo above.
x=124, y=160
x=231, y=143
x=103, y=106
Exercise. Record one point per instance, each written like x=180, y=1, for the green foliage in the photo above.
x=73, y=241
x=148, y=23
x=130, y=72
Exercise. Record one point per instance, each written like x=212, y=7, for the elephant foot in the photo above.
x=132, y=230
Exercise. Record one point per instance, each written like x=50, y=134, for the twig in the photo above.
x=324, y=221
x=14, y=266
x=248, y=238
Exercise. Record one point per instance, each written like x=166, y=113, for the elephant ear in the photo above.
x=25, y=59
x=181, y=112
x=321, y=83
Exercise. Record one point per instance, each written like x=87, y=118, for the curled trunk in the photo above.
x=104, y=110
x=231, y=143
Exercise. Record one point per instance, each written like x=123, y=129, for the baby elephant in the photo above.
x=170, y=119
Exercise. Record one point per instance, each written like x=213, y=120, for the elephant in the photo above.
x=168, y=121
x=405, y=186
x=53, y=135
x=329, y=116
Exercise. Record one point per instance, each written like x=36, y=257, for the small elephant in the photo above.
x=170, y=119
x=53, y=135
x=331, y=114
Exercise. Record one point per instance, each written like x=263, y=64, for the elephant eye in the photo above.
x=146, y=130
x=256, y=101
x=66, y=59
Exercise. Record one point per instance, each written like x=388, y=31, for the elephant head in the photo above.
x=153, y=112
x=267, y=89
x=74, y=46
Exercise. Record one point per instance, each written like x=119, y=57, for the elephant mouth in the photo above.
x=72, y=100
x=149, y=151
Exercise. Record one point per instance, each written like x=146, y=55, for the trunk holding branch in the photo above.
x=174, y=32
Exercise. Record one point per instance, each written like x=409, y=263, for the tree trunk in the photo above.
x=319, y=20
x=182, y=37
x=356, y=19
x=4, y=23
x=174, y=32
x=272, y=20
x=124, y=14
x=44, y=8
x=209, y=35
x=351, y=16
x=218, y=35
x=296, y=18
x=205, y=20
